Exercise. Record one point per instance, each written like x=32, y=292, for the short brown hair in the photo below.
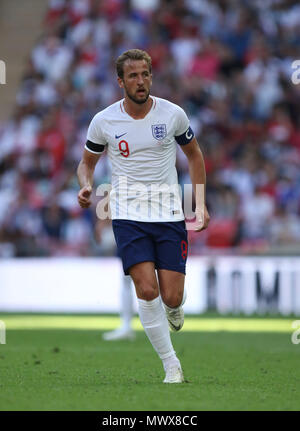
x=132, y=54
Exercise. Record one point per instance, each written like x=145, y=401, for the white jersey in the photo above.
x=143, y=155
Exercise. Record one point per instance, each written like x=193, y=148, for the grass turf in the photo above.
x=61, y=363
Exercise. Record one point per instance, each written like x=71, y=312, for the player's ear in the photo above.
x=120, y=82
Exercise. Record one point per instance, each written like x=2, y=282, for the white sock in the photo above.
x=126, y=302
x=170, y=362
x=154, y=321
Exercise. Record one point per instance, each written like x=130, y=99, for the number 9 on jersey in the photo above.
x=124, y=148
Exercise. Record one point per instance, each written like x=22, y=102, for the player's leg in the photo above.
x=171, y=253
x=173, y=294
x=137, y=251
x=153, y=318
x=126, y=313
x=145, y=281
x=171, y=285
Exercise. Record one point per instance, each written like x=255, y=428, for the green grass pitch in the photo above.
x=60, y=362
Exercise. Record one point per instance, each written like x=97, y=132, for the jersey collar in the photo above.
x=151, y=110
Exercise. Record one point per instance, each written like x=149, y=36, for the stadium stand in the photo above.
x=19, y=28
x=227, y=63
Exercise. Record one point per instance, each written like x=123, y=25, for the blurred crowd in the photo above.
x=227, y=63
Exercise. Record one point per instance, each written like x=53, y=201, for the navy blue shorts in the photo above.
x=164, y=243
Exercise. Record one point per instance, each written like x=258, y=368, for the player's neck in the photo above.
x=135, y=110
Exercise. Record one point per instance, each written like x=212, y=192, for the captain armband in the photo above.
x=185, y=138
x=94, y=148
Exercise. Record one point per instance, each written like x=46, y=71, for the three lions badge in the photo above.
x=159, y=131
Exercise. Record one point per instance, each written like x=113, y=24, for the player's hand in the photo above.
x=84, y=196
x=202, y=218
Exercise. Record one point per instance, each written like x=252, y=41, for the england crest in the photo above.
x=159, y=131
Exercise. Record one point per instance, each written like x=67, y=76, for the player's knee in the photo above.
x=172, y=299
x=146, y=290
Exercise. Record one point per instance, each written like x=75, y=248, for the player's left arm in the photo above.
x=198, y=177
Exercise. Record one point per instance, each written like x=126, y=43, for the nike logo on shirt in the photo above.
x=117, y=137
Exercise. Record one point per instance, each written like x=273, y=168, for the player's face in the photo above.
x=137, y=80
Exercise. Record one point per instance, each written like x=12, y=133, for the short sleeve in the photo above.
x=183, y=132
x=182, y=122
x=95, y=140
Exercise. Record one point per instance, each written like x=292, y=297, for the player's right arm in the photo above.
x=94, y=147
x=85, y=174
